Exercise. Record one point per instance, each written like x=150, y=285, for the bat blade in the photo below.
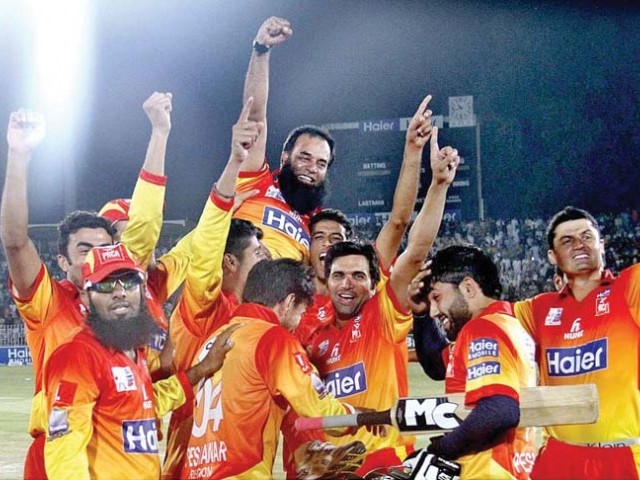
x=539, y=406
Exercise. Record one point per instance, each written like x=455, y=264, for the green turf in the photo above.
x=16, y=390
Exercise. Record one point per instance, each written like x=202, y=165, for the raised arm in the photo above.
x=404, y=198
x=145, y=213
x=272, y=32
x=25, y=132
x=444, y=163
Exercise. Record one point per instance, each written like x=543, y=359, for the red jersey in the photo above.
x=595, y=340
x=103, y=411
x=494, y=355
x=286, y=232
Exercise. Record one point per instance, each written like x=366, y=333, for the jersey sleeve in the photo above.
x=171, y=268
x=172, y=393
x=72, y=392
x=523, y=311
x=632, y=292
x=287, y=372
x=491, y=362
x=203, y=281
x=248, y=180
x=397, y=321
x=35, y=308
x=145, y=217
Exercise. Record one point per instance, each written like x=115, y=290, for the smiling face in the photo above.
x=309, y=159
x=449, y=307
x=577, y=247
x=349, y=285
x=324, y=234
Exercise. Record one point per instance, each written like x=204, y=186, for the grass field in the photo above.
x=16, y=389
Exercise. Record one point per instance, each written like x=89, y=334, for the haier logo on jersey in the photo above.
x=482, y=369
x=602, y=302
x=347, y=381
x=279, y=220
x=140, y=436
x=553, y=317
x=567, y=362
x=483, y=347
x=575, y=331
x=123, y=377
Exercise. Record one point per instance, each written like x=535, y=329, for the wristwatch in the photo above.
x=260, y=48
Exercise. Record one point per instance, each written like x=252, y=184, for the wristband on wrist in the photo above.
x=260, y=48
x=222, y=195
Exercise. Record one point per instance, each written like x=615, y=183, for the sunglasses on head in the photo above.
x=108, y=285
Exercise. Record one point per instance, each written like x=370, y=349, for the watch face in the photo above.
x=461, y=111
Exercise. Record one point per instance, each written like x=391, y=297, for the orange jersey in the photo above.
x=103, y=411
x=238, y=411
x=595, y=340
x=202, y=309
x=286, y=232
x=358, y=362
x=52, y=311
x=494, y=355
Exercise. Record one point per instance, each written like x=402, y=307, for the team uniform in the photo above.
x=202, y=309
x=595, y=340
x=286, y=232
x=494, y=355
x=103, y=409
x=238, y=411
x=359, y=364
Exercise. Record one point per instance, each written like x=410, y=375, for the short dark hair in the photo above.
x=456, y=262
x=270, y=281
x=76, y=220
x=565, y=215
x=333, y=215
x=239, y=236
x=312, y=131
x=350, y=247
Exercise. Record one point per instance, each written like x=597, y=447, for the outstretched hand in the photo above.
x=158, y=109
x=419, y=129
x=26, y=131
x=444, y=161
x=245, y=133
x=273, y=31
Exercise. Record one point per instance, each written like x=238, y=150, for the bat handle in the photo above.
x=342, y=421
x=374, y=418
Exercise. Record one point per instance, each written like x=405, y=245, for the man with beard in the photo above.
x=587, y=332
x=101, y=403
x=491, y=360
x=287, y=197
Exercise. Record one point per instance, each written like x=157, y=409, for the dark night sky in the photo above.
x=556, y=84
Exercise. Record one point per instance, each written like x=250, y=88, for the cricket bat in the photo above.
x=539, y=407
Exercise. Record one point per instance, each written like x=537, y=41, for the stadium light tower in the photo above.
x=59, y=80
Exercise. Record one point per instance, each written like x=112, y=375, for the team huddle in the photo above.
x=283, y=313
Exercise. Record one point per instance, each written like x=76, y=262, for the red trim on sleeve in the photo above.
x=34, y=286
x=221, y=203
x=474, y=396
x=186, y=385
x=394, y=300
x=254, y=173
x=156, y=179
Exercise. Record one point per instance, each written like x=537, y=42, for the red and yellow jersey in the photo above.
x=358, y=362
x=239, y=410
x=286, y=231
x=494, y=355
x=202, y=309
x=52, y=311
x=597, y=341
x=103, y=410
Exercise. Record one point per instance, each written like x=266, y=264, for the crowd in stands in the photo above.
x=517, y=246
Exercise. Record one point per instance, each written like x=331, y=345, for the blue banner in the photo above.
x=15, y=356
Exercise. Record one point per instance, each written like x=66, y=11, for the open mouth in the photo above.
x=322, y=256
x=306, y=179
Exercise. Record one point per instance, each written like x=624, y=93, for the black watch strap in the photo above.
x=260, y=48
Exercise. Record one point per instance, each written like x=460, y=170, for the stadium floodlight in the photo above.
x=59, y=78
